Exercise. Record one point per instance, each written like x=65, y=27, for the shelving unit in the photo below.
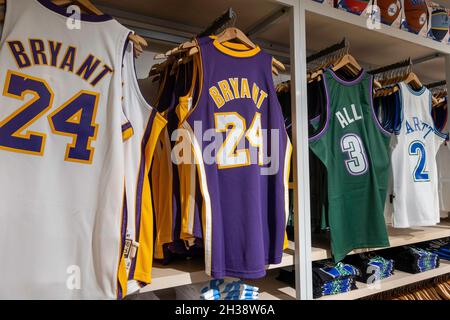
x=399, y=279
x=321, y=26
x=388, y=33
x=397, y=237
x=190, y=272
x=273, y=289
x=311, y=26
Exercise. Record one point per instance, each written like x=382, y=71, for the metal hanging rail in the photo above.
x=266, y=23
x=436, y=84
x=171, y=33
x=397, y=65
x=226, y=19
x=322, y=53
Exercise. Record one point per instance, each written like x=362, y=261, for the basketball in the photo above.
x=416, y=14
x=389, y=10
x=439, y=24
x=354, y=6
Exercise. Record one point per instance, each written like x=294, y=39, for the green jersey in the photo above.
x=354, y=148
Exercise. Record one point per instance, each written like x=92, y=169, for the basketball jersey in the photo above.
x=354, y=148
x=190, y=202
x=443, y=164
x=146, y=125
x=161, y=176
x=168, y=232
x=61, y=154
x=414, y=169
x=440, y=115
x=235, y=122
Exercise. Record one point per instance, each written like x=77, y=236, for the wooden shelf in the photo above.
x=399, y=279
x=341, y=16
x=373, y=48
x=397, y=237
x=193, y=271
x=272, y=289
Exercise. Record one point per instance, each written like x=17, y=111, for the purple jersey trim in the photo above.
x=119, y=291
x=315, y=118
x=84, y=17
x=125, y=47
x=372, y=109
x=344, y=82
x=122, y=242
x=126, y=126
x=327, y=123
x=140, y=186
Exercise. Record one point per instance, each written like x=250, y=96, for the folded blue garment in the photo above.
x=443, y=255
x=337, y=286
x=340, y=270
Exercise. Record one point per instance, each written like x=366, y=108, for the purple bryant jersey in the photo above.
x=244, y=177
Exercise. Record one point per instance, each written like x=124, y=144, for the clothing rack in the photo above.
x=436, y=84
x=327, y=51
x=397, y=65
x=228, y=18
x=302, y=14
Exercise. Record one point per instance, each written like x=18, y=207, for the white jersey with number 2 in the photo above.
x=415, y=176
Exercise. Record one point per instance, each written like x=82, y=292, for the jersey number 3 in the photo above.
x=356, y=163
x=75, y=119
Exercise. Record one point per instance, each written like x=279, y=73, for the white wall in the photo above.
x=144, y=64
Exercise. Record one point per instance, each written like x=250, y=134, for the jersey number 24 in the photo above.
x=75, y=119
x=228, y=155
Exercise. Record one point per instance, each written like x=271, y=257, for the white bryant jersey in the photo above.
x=61, y=154
x=415, y=177
x=145, y=125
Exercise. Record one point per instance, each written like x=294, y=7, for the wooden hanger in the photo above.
x=385, y=91
x=414, y=81
x=349, y=62
x=235, y=34
x=229, y=34
x=139, y=43
x=89, y=7
x=160, y=68
x=377, y=84
x=185, y=46
x=283, y=87
x=443, y=291
x=410, y=79
x=57, y=2
x=279, y=65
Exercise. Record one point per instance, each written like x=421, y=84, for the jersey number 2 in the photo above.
x=417, y=148
x=75, y=119
x=356, y=163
